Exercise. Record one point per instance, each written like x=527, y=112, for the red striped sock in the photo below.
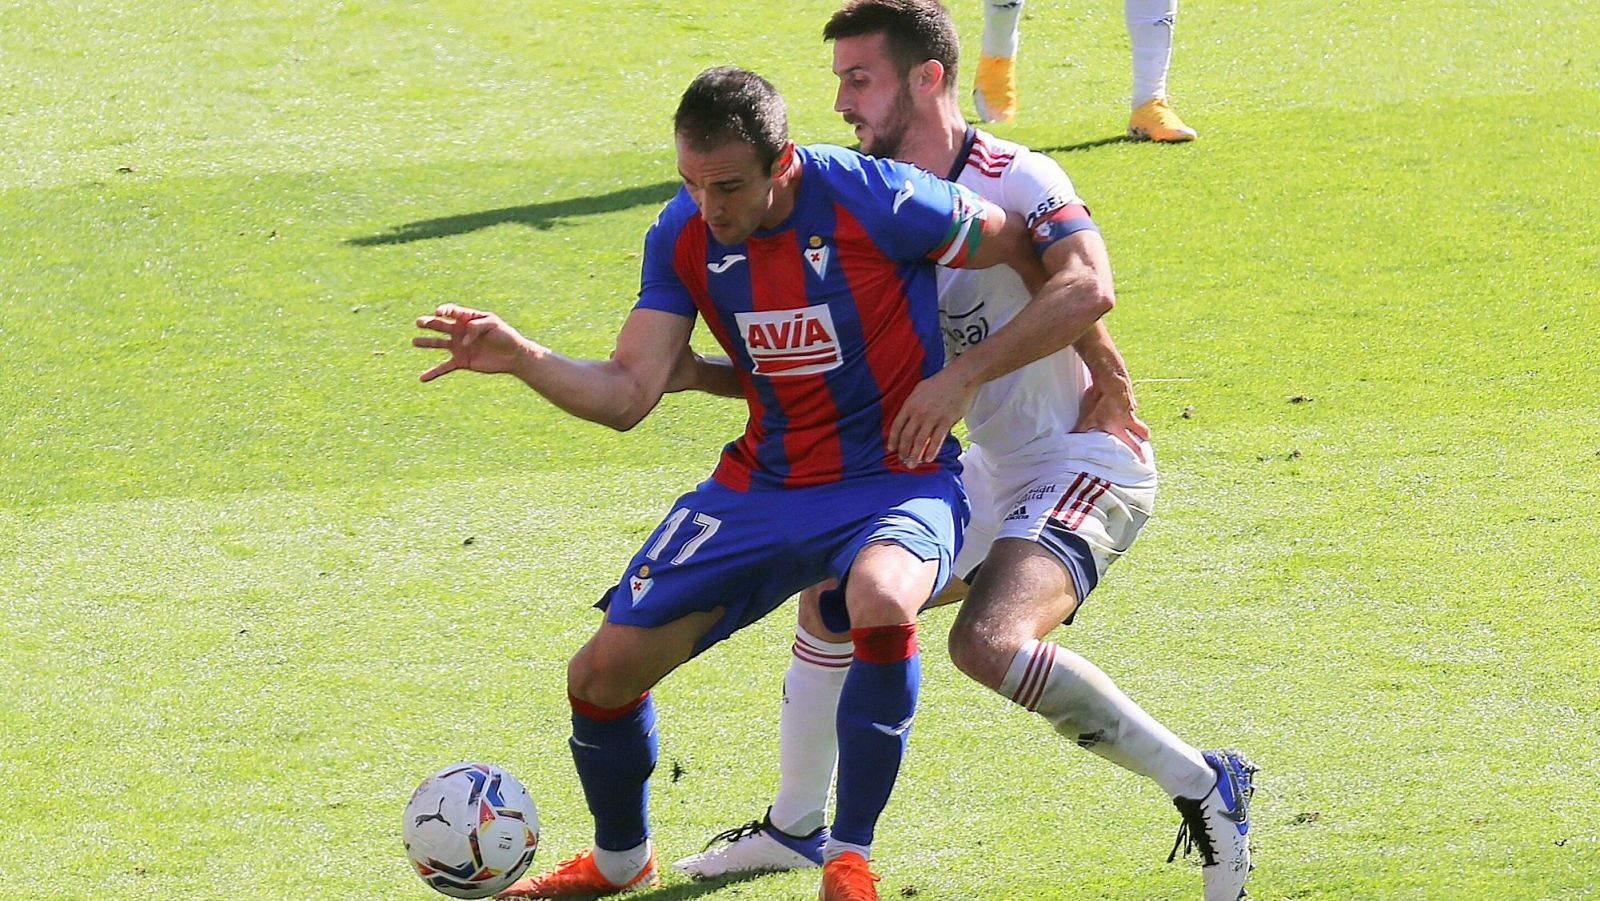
x=807, y=736
x=1030, y=669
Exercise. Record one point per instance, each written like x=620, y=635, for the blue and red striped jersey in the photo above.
x=831, y=317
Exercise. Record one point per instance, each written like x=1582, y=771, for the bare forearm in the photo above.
x=600, y=391
x=1074, y=296
x=1004, y=238
x=709, y=375
x=1105, y=363
x=1065, y=308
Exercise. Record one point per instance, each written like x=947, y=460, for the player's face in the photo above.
x=728, y=184
x=872, y=96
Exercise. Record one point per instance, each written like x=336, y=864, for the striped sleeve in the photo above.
x=914, y=216
x=965, y=230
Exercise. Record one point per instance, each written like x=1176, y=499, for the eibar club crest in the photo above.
x=817, y=256
x=639, y=583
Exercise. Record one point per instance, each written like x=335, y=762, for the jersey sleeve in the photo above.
x=915, y=216
x=660, y=286
x=1054, y=212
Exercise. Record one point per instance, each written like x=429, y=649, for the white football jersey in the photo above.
x=1028, y=414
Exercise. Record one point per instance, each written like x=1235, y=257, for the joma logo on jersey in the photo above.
x=790, y=342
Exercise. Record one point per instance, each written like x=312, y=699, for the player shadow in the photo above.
x=1090, y=145
x=534, y=215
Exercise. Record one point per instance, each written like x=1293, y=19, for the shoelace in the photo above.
x=1194, y=833
x=735, y=834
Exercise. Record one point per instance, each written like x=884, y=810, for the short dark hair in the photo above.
x=915, y=30
x=729, y=104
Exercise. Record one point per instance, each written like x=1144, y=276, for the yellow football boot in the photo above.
x=1155, y=121
x=995, y=91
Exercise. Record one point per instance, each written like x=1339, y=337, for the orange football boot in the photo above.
x=847, y=878
x=580, y=878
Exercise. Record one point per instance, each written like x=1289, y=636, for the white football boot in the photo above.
x=756, y=847
x=1218, y=826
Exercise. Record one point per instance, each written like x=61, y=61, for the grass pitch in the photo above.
x=257, y=582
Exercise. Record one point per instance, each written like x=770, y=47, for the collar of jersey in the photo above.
x=966, y=151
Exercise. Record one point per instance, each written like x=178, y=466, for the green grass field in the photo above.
x=256, y=581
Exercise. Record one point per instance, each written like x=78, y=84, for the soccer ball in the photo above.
x=471, y=830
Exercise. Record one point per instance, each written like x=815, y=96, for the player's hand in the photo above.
x=925, y=419
x=1112, y=412
x=479, y=341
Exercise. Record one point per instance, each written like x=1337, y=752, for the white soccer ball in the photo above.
x=471, y=830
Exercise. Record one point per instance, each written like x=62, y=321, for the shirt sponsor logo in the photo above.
x=790, y=342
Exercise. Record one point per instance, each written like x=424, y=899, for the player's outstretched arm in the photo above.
x=617, y=392
x=1073, y=291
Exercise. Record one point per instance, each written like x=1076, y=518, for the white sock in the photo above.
x=1150, y=25
x=1086, y=706
x=1001, y=31
x=833, y=848
x=808, y=745
x=621, y=866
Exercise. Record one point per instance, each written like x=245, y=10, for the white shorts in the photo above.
x=1062, y=503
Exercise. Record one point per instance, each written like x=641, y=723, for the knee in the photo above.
x=581, y=677
x=888, y=585
x=590, y=680
x=869, y=608
x=983, y=654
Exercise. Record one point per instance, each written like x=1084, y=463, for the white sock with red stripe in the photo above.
x=1150, y=24
x=1086, y=706
x=808, y=743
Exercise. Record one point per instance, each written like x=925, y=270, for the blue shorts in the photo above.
x=750, y=551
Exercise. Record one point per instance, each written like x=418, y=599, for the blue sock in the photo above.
x=615, y=752
x=875, y=711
